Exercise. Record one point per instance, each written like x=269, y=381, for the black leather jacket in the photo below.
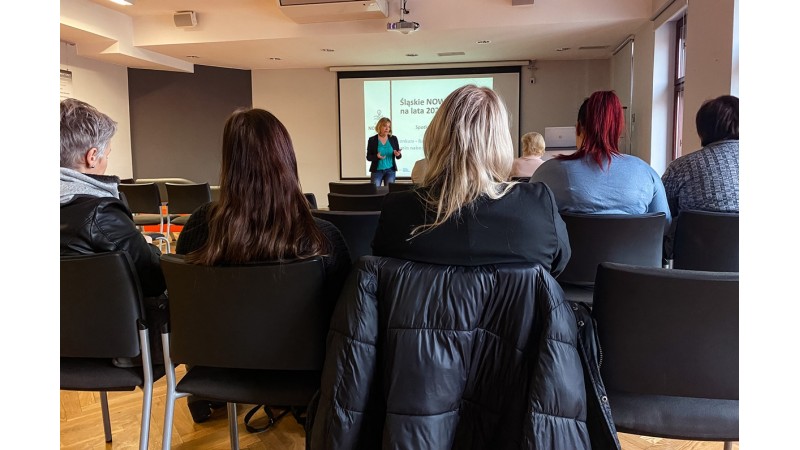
x=104, y=224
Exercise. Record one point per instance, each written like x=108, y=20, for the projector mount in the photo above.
x=401, y=25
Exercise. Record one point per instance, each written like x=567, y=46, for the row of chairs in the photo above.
x=707, y=241
x=669, y=340
x=148, y=204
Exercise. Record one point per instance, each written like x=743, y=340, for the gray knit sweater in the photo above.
x=707, y=179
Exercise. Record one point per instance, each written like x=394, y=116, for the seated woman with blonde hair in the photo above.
x=465, y=212
x=533, y=146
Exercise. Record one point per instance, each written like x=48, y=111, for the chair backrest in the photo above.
x=142, y=198
x=668, y=331
x=312, y=199
x=621, y=238
x=352, y=188
x=185, y=198
x=396, y=187
x=357, y=227
x=100, y=318
x=256, y=316
x=161, y=183
x=346, y=202
x=706, y=240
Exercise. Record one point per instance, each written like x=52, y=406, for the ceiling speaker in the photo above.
x=185, y=19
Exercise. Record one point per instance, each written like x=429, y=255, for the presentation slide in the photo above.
x=410, y=103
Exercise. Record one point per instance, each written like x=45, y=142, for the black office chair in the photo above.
x=144, y=201
x=706, y=240
x=670, y=346
x=161, y=238
x=621, y=238
x=312, y=199
x=248, y=334
x=346, y=202
x=184, y=199
x=102, y=320
x=357, y=227
x=396, y=187
x=352, y=188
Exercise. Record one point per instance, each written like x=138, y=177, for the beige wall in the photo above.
x=560, y=88
x=305, y=101
x=104, y=86
x=709, y=60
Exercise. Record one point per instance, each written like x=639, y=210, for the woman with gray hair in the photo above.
x=464, y=211
x=93, y=218
x=533, y=147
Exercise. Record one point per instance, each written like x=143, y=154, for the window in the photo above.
x=680, y=73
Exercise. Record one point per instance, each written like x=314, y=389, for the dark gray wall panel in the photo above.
x=177, y=119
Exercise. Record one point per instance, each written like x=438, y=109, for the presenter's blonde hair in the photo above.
x=469, y=151
x=533, y=144
x=380, y=123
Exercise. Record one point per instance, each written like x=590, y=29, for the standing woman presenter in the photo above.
x=382, y=150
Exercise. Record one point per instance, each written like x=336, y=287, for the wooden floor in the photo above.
x=82, y=426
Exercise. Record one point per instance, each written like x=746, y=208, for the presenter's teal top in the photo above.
x=387, y=151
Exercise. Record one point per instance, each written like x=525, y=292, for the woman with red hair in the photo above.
x=598, y=179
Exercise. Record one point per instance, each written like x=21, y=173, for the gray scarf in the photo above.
x=76, y=183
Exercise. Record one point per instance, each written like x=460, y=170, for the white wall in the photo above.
x=304, y=100
x=104, y=86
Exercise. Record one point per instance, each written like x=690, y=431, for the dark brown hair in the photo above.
x=262, y=214
x=601, y=121
x=718, y=119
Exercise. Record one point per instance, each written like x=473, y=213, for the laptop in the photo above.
x=559, y=137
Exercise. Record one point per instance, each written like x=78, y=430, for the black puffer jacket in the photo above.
x=435, y=357
x=103, y=224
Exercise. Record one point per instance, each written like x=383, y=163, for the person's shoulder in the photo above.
x=536, y=188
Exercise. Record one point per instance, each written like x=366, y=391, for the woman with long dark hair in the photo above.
x=598, y=178
x=262, y=214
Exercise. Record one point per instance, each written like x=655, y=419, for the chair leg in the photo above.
x=728, y=445
x=169, y=409
x=233, y=425
x=147, y=389
x=106, y=416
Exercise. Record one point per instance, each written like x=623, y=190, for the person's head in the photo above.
x=533, y=144
x=600, y=125
x=469, y=151
x=262, y=214
x=85, y=137
x=718, y=119
x=384, y=126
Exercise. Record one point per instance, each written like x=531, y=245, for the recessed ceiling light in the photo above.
x=485, y=41
x=329, y=50
x=123, y=2
x=274, y=58
x=562, y=49
x=192, y=56
x=412, y=54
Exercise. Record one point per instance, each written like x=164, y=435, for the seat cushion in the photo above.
x=100, y=374
x=675, y=417
x=279, y=388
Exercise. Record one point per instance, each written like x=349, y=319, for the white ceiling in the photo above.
x=245, y=34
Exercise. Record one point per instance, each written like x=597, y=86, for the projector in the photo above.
x=402, y=26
